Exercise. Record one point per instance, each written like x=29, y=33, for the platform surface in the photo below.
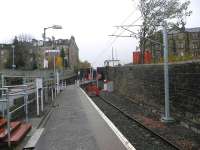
x=76, y=125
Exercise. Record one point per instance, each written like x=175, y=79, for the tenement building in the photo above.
x=67, y=48
x=181, y=42
x=49, y=54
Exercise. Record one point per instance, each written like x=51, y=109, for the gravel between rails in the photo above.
x=140, y=138
x=150, y=117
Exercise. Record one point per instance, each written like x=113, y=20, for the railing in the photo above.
x=6, y=100
x=22, y=91
x=50, y=87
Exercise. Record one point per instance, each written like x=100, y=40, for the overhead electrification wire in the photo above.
x=136, y=34
x=126, y=19
x=113, y=41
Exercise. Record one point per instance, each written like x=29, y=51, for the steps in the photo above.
x=13, y=126
x=2, y=122
x=18, y=131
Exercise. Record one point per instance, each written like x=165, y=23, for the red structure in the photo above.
x=137, y=57
x=18, y=131
x=92, y=90
x=147, y=57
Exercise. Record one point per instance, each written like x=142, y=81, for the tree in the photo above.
x=23, y=53
x=59, y=62
x=154, y=12
x=62, y=55
x=34, y=62
x=84, y=65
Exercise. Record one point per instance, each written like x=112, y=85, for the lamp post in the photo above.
x=44, y=37
x=13, y=56
x=52, y=27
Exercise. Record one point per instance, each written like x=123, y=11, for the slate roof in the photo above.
x=196, y=29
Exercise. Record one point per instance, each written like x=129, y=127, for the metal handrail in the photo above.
x=7, y=76
x=15, y=86
x=15, y=92
x=3, y=100
x=9, y=113
x=3, y=89
x=12, y=94
x=18, y=108
x=24, y=90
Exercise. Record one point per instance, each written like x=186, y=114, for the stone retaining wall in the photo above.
x=145, y=84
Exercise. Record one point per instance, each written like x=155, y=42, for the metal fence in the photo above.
x=43, y=89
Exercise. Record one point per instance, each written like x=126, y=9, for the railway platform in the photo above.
x=76, y=123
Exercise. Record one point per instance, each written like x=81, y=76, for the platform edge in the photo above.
x=121, y=137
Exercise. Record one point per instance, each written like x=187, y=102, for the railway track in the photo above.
x=151, y=140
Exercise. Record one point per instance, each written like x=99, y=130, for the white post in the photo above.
x=3, y=104
x=78, y=83
x=91, y=73
x=26, y=102
x=57, y=82
x=42, y=100
x=55, y=90
x=52, y=94
x=38, y=109
x=38, y=87
x=54, y=63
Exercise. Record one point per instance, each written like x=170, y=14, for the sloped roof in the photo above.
x=197, y=29
x=173, y=31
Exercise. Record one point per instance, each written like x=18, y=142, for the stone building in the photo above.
x=6, y=56
x=38, y=48
x=70, y=48
x=181, y=42
x=4, y=52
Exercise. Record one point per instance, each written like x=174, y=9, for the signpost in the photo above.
x=39, y=88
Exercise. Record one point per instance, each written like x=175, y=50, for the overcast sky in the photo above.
x=89, y=21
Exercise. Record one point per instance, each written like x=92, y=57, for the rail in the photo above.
x=139, y=123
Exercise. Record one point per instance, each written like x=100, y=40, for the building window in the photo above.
x=195, y=45
x=194, y=35
x=180, y=45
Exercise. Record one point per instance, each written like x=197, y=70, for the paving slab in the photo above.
x=75, y=124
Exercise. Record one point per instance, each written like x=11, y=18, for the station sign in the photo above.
x=39, y=83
